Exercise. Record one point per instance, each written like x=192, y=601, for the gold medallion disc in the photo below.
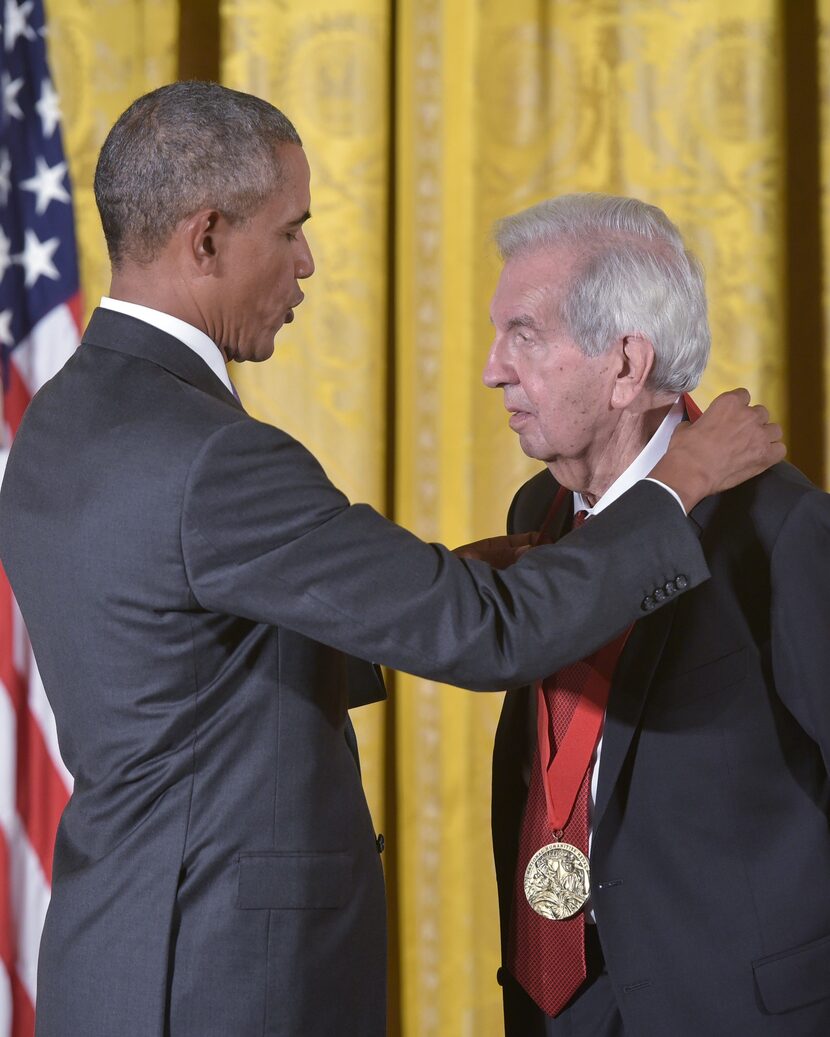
x=557, y=881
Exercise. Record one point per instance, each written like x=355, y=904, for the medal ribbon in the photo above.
x=562, y=776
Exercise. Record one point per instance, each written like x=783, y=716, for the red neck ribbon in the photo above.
x=562, y=776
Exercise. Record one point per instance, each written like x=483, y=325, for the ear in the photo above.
x=636, y=358
x=199, y=236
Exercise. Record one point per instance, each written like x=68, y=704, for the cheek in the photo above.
x=566, y=416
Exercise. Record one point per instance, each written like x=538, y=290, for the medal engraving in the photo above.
x=557, y=881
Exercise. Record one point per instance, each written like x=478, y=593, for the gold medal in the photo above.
x=557, y=881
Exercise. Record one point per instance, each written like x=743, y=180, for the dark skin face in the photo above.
x=260, y=267
x=237, y=282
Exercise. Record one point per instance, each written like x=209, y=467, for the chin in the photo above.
x=531, y=449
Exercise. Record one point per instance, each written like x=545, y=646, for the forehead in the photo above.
x=292, y=197
x=532, y=282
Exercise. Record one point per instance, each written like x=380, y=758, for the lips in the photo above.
x=518, y=419
x=289, y=316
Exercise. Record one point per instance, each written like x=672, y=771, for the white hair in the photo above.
x=634, y=276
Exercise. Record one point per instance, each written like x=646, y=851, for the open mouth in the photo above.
x=290, y=314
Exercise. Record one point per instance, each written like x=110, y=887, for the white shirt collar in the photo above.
x=641, y=465
x=192, y=337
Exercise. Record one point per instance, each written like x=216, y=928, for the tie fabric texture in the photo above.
x=548, y=956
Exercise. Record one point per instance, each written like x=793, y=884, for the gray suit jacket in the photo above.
x=191, y=581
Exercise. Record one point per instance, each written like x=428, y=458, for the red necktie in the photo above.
x=548, y=957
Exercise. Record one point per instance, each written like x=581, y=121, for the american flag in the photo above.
x=40, y=313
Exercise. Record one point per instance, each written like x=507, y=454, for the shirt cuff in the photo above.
x=668, y=489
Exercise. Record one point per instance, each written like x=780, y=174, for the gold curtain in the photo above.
x=425, y=120
x=103, y=54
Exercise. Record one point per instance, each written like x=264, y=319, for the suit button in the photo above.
x=681, y=583
x=659, y=594
x=500, y=977
x=670, y=588
x=648, y=603
x=381, y=843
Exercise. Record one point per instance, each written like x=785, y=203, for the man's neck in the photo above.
x=157, y=286
x=594, y=473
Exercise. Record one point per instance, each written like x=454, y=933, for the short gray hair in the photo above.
x=185, y=147
x=634, y=275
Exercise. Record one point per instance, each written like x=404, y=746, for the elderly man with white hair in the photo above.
x=681, y=772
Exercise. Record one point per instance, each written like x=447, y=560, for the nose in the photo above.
x=498, y=371
x=303, y=261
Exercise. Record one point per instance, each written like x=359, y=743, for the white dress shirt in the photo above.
x=192, y=337
x=637, y=470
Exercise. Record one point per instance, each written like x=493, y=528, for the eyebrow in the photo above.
x=521, y=320
x=300, y=220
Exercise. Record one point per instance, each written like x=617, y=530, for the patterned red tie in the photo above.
x=548, y=956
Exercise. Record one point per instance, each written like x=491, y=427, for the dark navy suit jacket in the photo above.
x=711, y=848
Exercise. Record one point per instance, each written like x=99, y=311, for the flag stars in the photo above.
x=36, y=258
x=6, y=337
x=48, y=108
x=47, y=184
x=17, y=22
x=11, y=88
x=5, y=256
x=5, y=176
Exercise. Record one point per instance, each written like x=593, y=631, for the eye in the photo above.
x=291, y=235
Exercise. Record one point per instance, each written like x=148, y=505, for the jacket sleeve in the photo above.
x=267, y=537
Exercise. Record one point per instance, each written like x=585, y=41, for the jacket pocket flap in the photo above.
x=293, y=881
x=699, y=683
x=791, y=979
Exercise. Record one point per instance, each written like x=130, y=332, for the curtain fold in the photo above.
x=104, y=54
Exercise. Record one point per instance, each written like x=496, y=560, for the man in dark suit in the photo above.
x=700, y=798
x=199, y=598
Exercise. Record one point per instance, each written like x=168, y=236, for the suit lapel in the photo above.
x=633, y=677
x=632, y=680
x=635, y=670
x=121, y=333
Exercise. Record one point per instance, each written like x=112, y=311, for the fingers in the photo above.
x=741, y=394
x=761, y=412
x=519, y=540
x=500, y=551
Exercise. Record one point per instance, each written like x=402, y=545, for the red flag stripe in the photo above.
x=6, y=947
x=15, y=399
x=41, y=795
x=40, y=792
x=13, y=680
x=23, y=1011
x=76, y=308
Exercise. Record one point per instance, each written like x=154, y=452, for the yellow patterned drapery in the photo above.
x=425, y=120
